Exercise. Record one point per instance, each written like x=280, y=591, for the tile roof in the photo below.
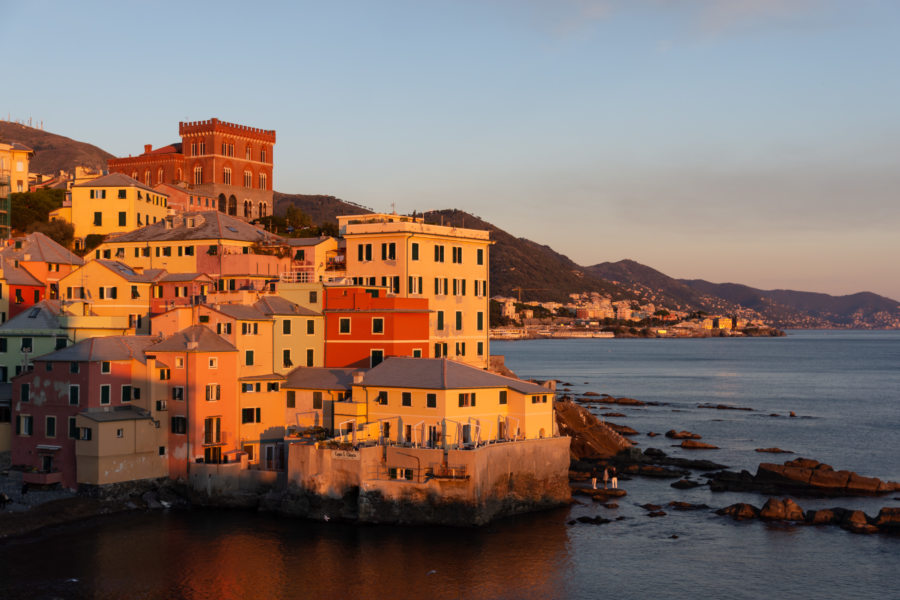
x=111, y=348
x=207, y=225
x=129, y=274
x=169, y=277
x=205, y=338
x=241, y=312
x=268, y=377
x=37, y=247
x=115, y=180
x=116, y=413
x=17, y=275
x=320, y=378
x=276, y=305
x=311, y=241
x=43, y=317
x=441, y=374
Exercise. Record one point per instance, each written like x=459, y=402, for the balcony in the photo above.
x=42, y=477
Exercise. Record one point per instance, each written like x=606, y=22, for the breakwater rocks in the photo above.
x=787, y=510
x=801, y=476
x=591, y=438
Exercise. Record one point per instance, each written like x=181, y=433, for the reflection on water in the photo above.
x=203, y=555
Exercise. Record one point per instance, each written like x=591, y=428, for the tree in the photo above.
x=27, y=208
x=61, y=232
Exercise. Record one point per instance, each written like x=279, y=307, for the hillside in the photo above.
x=53, y=153
x=320, y=208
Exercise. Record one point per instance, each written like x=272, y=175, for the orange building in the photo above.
x=363, y=326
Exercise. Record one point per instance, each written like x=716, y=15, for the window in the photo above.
x=313, y=297
x=382, y=398
x=213, y=392
x=179, y=424
x=438, y=253
x=250, y=415
x=165, y=374
x=198, y=175
x=344, y=325
x=120, y=433
x=364, y=252
x=73, y=368
x=440, y=349
x=2, y=344
x=310, y=327
x=25, y=395
x=431, y=401
x=480, y=321
x=25, y=425
x=74, y=395
x=226, y=176
x=389, y=251
x=27, y=344
x=457, y=255
x=415, y=284
x=73, y=429
x=317, y=400
x=414, y=251
x=286, y=358
x=479, y=256
x=178, y=393
x=126, y=393
x=50, y=427
x=248, y=358
x=406, y=399
x=263, y=181
x=376, y=357
x=291, y=399
x=104, y=393
x=98, y=219
x=105, y=367
x=480, y=348
x=286, y=327
x=417, y=353
x=309, y=357
x=440, y=286
x=122, y=219
x=272, y=386
x=458, y=320
x=213, y=363
x=440, y=320
x=467, y=399
x=377, y=325
x=503, y=397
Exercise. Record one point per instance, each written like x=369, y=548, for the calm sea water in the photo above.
x=843, y=386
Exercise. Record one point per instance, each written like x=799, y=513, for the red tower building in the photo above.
x=229, y=162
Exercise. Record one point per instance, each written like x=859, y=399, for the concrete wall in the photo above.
x=501, y=479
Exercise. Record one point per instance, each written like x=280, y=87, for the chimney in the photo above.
x=148, y=148
x=358, y=377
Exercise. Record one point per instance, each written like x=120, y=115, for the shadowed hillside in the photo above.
x=54, y=153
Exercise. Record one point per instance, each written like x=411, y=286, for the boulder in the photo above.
x=829, y=480
x=686, y=506
x=792, y=510
x=682, y=435
x=774, y=450
x=781, y=510
x=864, y=485
x=820, y=517
x=612, y=414
x=695, y=445
x=888, y=519
x=739, y=511
x=651, y=506
x=685, y=484
x=593, y=520
x=856, y=521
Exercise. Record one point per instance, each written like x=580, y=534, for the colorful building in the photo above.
x=99, y=374
x=19, y=289
x=363, y=326
x=14, y=164
x=442, y=403
x=114, y=203
x=229, y=162
x=43, y=258
x=448, y=266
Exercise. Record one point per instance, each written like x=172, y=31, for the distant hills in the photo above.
x=53, y=153
x=537, y=272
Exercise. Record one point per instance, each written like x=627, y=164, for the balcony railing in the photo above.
x=42, y=477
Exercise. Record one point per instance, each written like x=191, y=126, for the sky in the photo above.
x=745, y=141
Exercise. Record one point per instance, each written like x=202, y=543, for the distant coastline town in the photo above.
x=592, y=315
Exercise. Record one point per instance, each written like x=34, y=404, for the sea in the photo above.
x=842, y=386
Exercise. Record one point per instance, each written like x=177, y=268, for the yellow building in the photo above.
x=724, y=323
x=14, y=161
x=442, y=403
x=112, y=289
x=113, y=203
x=446, y=265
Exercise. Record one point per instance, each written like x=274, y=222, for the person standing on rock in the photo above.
x=594, y=478
x=605, y=477
x=615, y=479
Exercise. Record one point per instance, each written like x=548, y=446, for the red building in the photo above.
x=228, y=162
x=20, y=287
x=363, y=326
x=99, y=373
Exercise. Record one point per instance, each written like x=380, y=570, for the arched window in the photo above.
x=263, y=181
x=223, y=203
x=198, y=175
x=232, y=206
x=178, y=176
x=226, y=176
x=248, y=179
x=248, y=152
x=159, y=175
x=147, y=177
x=134, y=174
x=263, y=210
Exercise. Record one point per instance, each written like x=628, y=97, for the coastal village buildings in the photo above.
x=44, y=259
x=227, y=162
x=114, y=203
x=14, y=163
x=446, y=265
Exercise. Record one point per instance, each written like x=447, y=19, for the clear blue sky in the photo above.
x=749, y=141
